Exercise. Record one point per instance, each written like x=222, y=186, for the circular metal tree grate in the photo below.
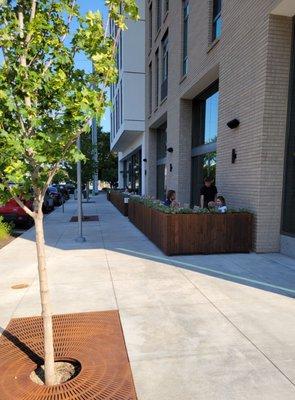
x=94, y=339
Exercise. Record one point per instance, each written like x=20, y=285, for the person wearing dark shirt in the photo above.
x=208, y=193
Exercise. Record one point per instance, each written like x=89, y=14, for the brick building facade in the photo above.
x=207, y=63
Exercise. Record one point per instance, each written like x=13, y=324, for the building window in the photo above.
x=164, y=84
x=217, y=21
x=185, y=12
x=204, y=137
x=112, y=128
x=202, y=166
x=151, y=25
x=121, y=102
x=166, y=6
x=161, y=162
x=117, y=113
x=205, y=116
x=150, y=88
x=120, y=50
x=133, y=172
x=288, y=214
x=159, y=14
x=157, y=79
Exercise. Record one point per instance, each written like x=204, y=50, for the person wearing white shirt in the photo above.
x=221, y=204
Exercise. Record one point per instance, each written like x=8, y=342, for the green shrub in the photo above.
x=5, y=229
x=159, y=206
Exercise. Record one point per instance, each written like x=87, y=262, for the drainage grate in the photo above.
x=95, y=339
x=85, y=218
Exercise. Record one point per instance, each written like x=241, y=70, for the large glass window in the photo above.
x=161, y=181
x=204, y=137
x=132, y=172
x=205, y=116
x=157, y=79
x=151, y=25
x=164, y=85
x=288, y=214
x=202, y=166
x=150, y=88
x=217, y=21
x=166, y=6
x=185, y=11
x=159, y=14
x=161, y=161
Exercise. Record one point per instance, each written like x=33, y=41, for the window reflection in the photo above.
x=211, y=118
x=202, y=166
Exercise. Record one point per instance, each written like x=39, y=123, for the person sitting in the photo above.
x=221, y=204
x=171, y=199
x=208, y=193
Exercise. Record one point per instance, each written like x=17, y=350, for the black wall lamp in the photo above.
x=234, y=123
x=144, y=160
x=170, y=149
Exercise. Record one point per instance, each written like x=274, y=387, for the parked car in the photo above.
x=12, y=212
x=63, y=190
x=56, y=195
x=48, y=203
x=70, y=187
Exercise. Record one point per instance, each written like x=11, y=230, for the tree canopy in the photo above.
x=45, y=101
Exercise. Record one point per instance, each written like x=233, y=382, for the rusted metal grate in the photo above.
x=85, y=218
x=94, y=339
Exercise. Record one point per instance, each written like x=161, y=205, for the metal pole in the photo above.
x=94, y=151
x=80, y=237
x=94, y=154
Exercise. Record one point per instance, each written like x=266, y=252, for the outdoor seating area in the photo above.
x=117, y=198
x=184, y=231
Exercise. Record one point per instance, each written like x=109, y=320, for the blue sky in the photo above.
x=94, y=5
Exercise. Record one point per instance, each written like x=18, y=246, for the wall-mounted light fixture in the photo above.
x=233, y=156
x=170, y=149
x=234, y=123
x=144, y=160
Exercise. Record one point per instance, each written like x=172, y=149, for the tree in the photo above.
x=46, y=104
x=107, y=160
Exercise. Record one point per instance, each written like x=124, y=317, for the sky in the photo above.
x=94, y=5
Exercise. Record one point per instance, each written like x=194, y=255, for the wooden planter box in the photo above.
x=177, y=234
x=118, y=200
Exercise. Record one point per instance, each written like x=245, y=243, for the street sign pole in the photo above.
x=80, y=237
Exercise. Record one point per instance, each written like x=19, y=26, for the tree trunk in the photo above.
x=45, y=301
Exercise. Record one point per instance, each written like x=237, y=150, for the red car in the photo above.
x=12, y=212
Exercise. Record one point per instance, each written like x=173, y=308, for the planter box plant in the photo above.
x=184, y=231
x=120, y=201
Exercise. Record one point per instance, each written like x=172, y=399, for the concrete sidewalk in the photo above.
x=216, y=327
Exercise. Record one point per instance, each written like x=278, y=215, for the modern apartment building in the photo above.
x=220, y=101
x=128, y=99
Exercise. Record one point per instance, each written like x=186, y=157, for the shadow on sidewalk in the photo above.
x=272, y=273
x=22, y=346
